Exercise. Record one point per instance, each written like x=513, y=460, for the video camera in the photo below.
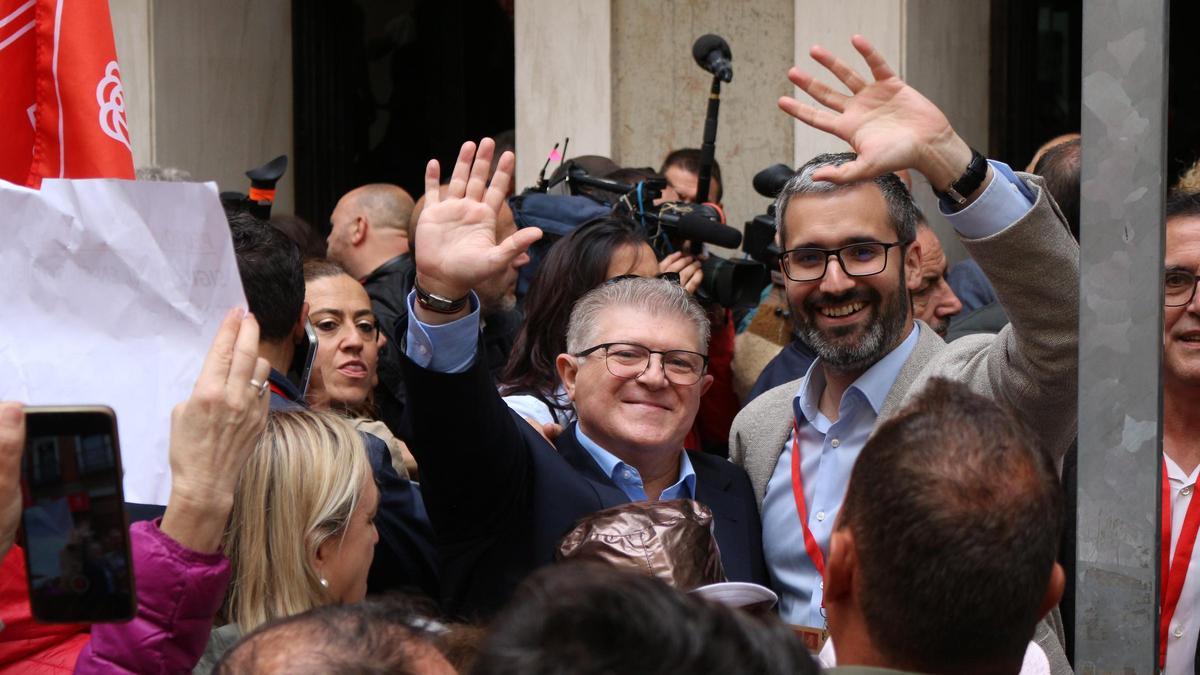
x=732, y=283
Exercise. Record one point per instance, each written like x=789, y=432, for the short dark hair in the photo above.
x=370, y=637
x=688, y=159
x=1059, y=167
x=272, y=277
x=593, y=618
x=321, y=268
x=1182, y=204
x=902, y=211
x=956, y=517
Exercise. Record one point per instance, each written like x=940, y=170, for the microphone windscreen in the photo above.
x=696, y=227
x=707, y=43
x=771, y=180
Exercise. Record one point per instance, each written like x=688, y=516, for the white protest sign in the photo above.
x=112, y=291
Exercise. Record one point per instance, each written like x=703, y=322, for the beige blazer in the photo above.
x=1031, y=365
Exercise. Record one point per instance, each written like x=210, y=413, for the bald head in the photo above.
x=1056, y=141
x=369, y=226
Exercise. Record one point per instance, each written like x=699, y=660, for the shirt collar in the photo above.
x=610, y=464
x=874, y=384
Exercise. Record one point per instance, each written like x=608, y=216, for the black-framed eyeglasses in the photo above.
x=1179, y=287
x=629, y=360
x=672, y=277
x=857, y=260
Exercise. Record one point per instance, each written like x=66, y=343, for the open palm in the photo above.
x=890, y=125
x=456, y=234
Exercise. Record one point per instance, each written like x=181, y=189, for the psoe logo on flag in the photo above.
x=110, y=94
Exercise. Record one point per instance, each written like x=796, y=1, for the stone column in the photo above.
x=208, y=86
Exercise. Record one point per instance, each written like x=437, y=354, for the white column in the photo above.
x=563, y=80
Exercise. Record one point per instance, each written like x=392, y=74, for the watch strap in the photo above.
x=438, y=303
x=967, y=183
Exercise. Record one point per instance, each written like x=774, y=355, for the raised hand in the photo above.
x=888, y=123
x=213, y=433
x=456, y=234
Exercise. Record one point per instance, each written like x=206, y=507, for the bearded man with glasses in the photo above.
x=847, y=228
x=499, y=495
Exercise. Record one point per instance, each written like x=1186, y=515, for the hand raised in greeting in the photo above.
x=888, y=123
x=456, y=234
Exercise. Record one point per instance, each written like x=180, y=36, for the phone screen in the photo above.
x=302, y=360
x=76, y=534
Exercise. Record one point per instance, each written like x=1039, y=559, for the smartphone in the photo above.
x=302, y=359
x=76, y=536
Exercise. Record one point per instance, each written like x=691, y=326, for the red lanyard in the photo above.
x=810, y=542
x=1175, y=574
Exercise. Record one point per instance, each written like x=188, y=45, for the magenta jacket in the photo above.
x=179, y=592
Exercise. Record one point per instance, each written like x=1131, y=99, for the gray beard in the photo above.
x=882, y=335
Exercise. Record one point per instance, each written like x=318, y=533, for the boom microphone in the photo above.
x=712, y=53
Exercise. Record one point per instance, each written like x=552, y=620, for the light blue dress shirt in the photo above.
x=630, y=481
x=450, y=348
x=829, y=449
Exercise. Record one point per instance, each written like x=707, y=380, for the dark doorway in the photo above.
x=381, y=86
x=1037, y=48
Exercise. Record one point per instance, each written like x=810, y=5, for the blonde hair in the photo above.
x=296, y=491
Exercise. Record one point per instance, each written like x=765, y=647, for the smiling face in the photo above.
x=1181, y=332
x=851, y=322
x=343, y=371
x=647, y=414
x=934, y=302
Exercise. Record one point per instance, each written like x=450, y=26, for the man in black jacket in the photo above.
x=499, y=495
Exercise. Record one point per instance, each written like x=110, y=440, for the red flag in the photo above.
x=17, y=48
x=61, y=74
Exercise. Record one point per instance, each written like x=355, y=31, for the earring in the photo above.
x=324, y=583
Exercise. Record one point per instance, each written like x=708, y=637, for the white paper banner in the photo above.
x=111, y=292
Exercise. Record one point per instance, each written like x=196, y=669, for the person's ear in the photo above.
x=912, y=266
x=358, y=230
x=1054, y=590
x=568, y=368
x=841, y=566
x=705, y=383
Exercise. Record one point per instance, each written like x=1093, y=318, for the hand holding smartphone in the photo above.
x=76, y=535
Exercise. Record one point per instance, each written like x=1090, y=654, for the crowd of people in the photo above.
x=569, y=482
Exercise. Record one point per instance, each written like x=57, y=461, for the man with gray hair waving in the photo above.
x=499, y=495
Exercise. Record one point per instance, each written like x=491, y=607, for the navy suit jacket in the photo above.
x=501, y=498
